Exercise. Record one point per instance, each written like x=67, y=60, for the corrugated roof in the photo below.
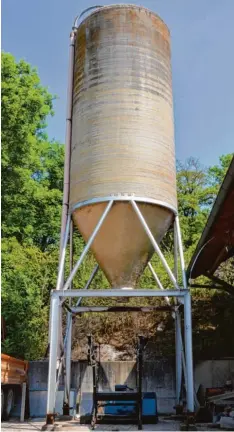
x=216, y=244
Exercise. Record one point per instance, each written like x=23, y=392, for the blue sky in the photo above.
x=202, y=36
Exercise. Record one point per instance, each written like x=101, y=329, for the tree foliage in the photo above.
x=32, y=167
x=32, y=174
x=32, y=178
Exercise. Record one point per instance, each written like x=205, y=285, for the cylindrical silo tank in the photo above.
x=122, y=136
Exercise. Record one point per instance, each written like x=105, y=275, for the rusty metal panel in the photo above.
x=123, y=134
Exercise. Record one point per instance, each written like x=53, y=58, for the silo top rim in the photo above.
x=122, y=6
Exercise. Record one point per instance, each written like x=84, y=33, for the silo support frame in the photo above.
x=63, y=291
x=56, y=299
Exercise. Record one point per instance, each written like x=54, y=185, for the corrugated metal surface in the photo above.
x=122, y=134
x=122, y=137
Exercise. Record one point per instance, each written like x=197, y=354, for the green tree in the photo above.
x=32, y=178
x=197, y=188
x=27, y=278
x=32, y=167
x=216, y=173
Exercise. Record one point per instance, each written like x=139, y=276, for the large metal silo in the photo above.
x=119, y=181
x=122, y=136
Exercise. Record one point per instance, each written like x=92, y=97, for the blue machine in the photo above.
x=128, y=408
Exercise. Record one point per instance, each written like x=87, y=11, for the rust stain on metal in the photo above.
x=123, y=133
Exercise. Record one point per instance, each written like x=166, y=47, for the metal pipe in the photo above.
x=178, y=357
x=68, y=346
x=59, y=283
x=122, y=198
x=175, y=252
x=178, y=341
x=83, y=12
x=127, y=292
x=188, y=351
x=181, y=252
x=155, y=244
x=182, y=352
x=67, y=156
x=50, y=410
x=178, y=337
x=93, y=274
x=59, y=373
x=84, y=309
x=71, y=248
x=65, y=219
x=63, y=255
x=158, y=281
x=87, y=247
x=67, y=384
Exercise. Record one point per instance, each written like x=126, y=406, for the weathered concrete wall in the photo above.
x=214, y=373
x=158, y=376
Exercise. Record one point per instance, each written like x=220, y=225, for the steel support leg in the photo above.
x=88, y=244
x=68, y=344
x=188, y=351
x=67, y=378
x=50, y=410
x=155, y=245
x=178, y=357
x=181, y=254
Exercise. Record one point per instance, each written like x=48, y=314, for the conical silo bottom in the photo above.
x=122, y=248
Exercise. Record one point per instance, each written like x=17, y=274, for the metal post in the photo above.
x=120, y=292
x=67, y=375
x=63, y=255
x=50, y=410
x=65, y=221
x=179, y=239
x=61, y=262
x=87, y=247
x=178, y=357
x=182, y=351
x=92, y=276
x=178, y=337
x=158, y=281
x=23, y=400
x=188, y=351
x=68, y=346
x=66, y=180
x=68, y=337
x=155, y=244
x=175, y=251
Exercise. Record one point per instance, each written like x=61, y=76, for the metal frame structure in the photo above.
x=60, y=348
x=102, y=399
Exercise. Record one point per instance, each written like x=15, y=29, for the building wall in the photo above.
x=158, y=376
x=214, y=373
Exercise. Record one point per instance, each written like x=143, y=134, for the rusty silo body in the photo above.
x=119, y=176
x=122, y=136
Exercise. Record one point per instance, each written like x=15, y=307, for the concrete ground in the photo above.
x=36, y=425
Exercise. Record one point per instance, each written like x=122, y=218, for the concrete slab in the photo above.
x=74, y=426
x=32, y=426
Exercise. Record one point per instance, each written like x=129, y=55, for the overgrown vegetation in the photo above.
x=32, y=178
